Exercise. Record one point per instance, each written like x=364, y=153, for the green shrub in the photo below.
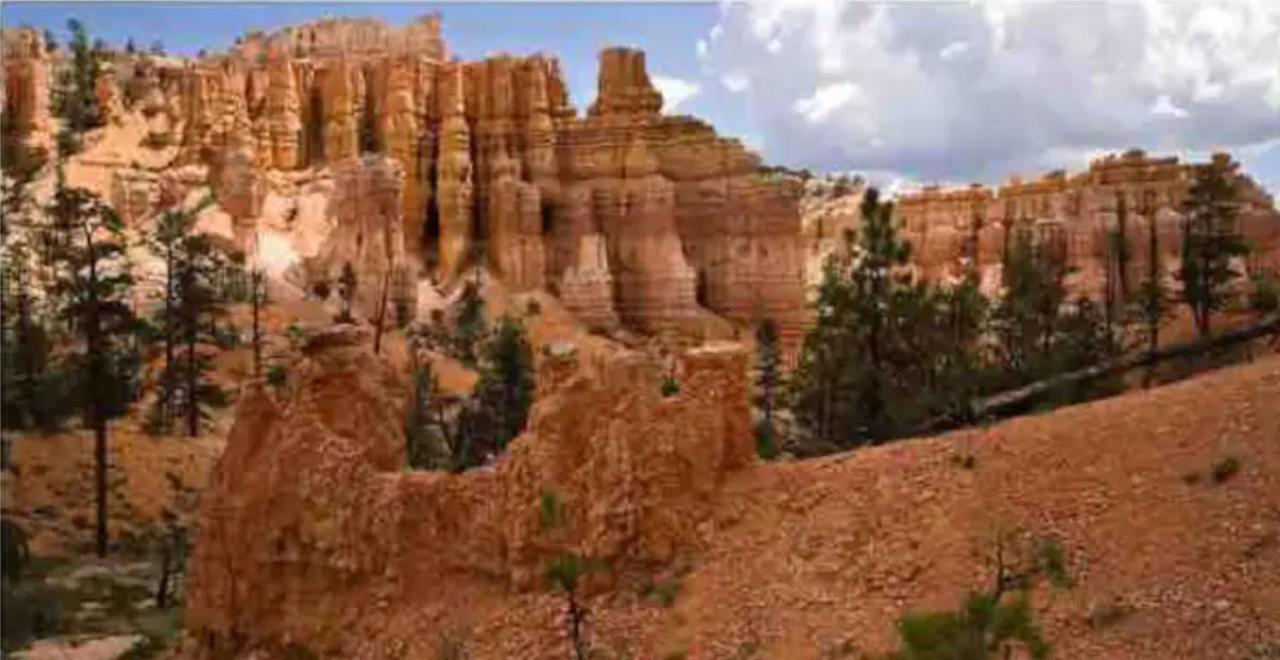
x=277, y=377
x=983, y=629
x=669, y=386
x=766, y=441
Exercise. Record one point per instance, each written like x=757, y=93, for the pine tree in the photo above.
x=469, y=325
x=505, y=388
x=79, y=99
x=194, y=293
x=1211, y=240
x=1025, y=318
x=347, y=284
x=257, y=298
x=768, y=384
x=197, y=308
x=92, y=287
x=843, y=379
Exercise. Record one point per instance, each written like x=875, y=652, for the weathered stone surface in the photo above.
x=498, y=169
x=27, y=68
x=368, y=233
x=1076, y=218
x=310, y=516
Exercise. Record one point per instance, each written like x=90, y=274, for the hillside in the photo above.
x=796, y=560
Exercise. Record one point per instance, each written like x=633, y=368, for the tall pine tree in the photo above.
x=1211, y=240
x=92, y=287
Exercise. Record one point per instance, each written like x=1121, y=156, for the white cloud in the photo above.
x=825, y=100
x=953, y=50
x=675, y=91
x=736, y=81
x=701, y=48
x=965, y=91
x=1164, y=107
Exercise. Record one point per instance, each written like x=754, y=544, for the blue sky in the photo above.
x=948, y=92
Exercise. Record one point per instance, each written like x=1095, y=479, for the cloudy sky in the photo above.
x=937, y=91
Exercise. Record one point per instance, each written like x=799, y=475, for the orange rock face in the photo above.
x=1076, y=218
x=634, y=216
x=311, y=516
x=26, y=85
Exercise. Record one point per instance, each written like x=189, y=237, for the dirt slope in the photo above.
x=806, y=558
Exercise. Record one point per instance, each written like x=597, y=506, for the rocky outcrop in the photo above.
x=1077, y=219
x=311, y=521
x=27, y=68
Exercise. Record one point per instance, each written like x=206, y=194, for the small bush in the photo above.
x=766, y=441
x=1224, y=468
x=670, y=387
x=964, y=460
x=277, y=377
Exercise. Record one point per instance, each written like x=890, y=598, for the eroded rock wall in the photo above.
x=1077, y=218
x=499, y=169
x=311, y=520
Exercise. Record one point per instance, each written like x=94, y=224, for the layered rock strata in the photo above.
x=1078, y=218
x=311, y=518
x=637, y=217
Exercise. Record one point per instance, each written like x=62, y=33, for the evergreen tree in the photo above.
x=130, y=47
x=843, y=380
x=193, y=300
x=347, y=284
x=197, y=308
x=92, y=288
x=768, y=384
x=470, y=325
x=27, y=376
x=257, y=298
x=78, y=101
x=505, y=388
x=1025, y=320
x=1211, y=240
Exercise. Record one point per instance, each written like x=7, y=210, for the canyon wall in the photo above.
x=1077, y=218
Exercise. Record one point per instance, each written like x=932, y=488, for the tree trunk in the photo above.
x=994, y=405
x=94, y=347
x=166, y=393
x=382, y=312
x=193, y=404
x=256, y=283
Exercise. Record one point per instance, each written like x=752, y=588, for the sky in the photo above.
x=907, y=93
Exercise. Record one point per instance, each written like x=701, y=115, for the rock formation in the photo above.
x=637, y=217
x=1076, y=217
x=311, y=518
x=368, y=233
x=27, y=69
